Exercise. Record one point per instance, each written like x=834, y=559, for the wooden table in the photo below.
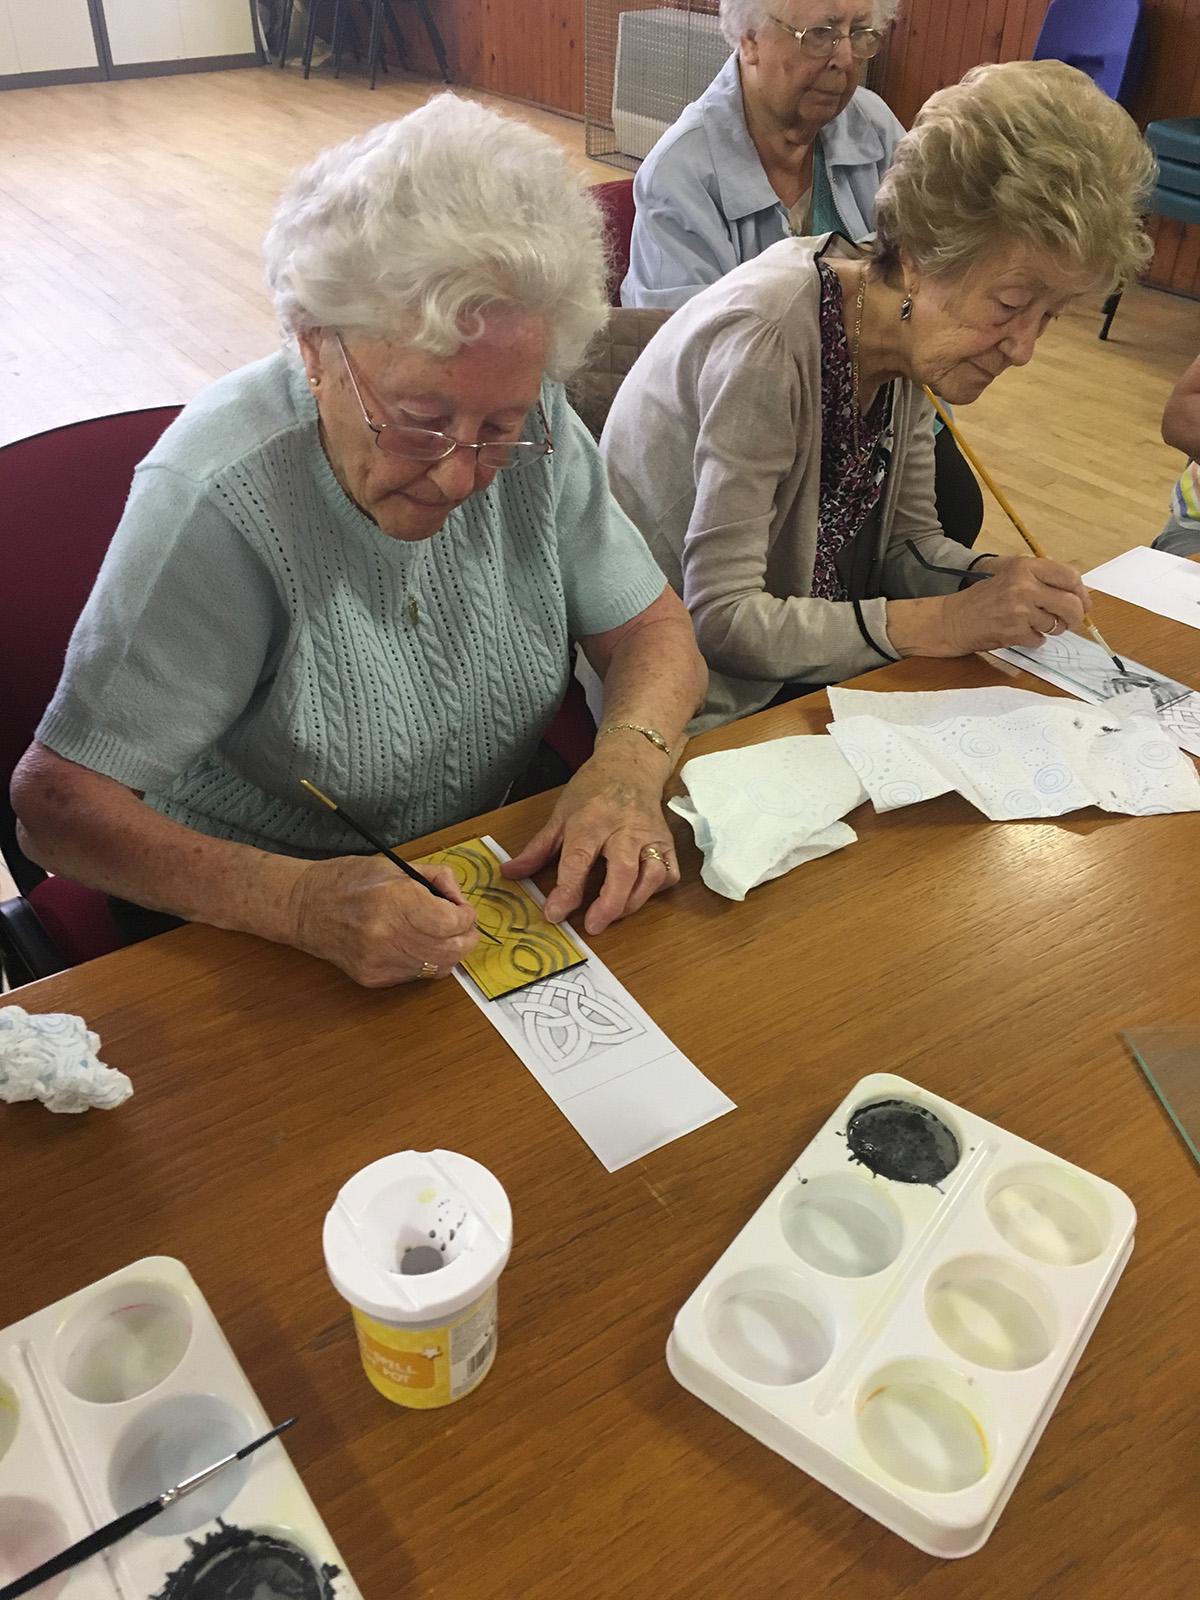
x=995, y=964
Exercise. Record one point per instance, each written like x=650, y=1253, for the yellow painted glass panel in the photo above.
x=528, y=947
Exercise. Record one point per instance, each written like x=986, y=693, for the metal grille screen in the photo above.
x=643, y=64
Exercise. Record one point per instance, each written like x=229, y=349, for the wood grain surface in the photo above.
x=995, y=964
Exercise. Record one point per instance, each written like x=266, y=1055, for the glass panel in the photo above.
x=1170, y=1058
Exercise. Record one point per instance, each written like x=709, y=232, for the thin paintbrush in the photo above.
x=120, y=1526
x=365, y=833
x=1012, y=515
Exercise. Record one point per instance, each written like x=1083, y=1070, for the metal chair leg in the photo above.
x=340, y=8
x=435, y=39
x=285, y=27
x=310, y=36
x=1110, y=311
x=389, y=16
x=375, y=42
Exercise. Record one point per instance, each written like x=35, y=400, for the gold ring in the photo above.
x=428, y=970
x=650, y=853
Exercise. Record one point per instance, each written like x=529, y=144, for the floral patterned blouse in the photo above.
x=851, y=485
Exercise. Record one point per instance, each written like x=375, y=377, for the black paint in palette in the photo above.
x=901, y=1140
x=246, y=1564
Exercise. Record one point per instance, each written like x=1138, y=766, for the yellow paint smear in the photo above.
x=528, y=947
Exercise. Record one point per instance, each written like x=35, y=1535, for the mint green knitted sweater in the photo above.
x=251, y=627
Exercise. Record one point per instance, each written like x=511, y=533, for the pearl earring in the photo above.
x=315, y=382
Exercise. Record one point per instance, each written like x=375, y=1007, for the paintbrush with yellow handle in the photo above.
x=1012, y=516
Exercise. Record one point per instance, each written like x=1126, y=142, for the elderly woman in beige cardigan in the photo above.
x=773, y=442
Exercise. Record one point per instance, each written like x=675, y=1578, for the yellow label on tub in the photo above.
x=428, y=1367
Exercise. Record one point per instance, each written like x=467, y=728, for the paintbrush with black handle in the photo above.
x=365, y=833
x=129, y=1521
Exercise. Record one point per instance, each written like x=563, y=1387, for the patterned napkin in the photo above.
x=1013, y=753
x=52, y=1058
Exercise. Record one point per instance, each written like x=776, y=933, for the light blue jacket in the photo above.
x=704, y=204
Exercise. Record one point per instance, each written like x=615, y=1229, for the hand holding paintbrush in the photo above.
x=386, y=850
x=1012, y=516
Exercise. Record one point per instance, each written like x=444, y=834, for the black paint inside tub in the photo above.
x=420, y=1258
x=903, y=1141
x=242, y=1564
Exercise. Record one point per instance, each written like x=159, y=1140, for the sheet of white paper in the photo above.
x=1012, y=752
x=1084, y=669
x=1154, y=580
x=608, y=1067
x=760, y=811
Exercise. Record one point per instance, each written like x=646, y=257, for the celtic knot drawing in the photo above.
x=565, y=1017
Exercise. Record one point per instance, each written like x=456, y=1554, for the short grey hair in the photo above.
x=1028, y=152
x=748, y=16
x=420, y=227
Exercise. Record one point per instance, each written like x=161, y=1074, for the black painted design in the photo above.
x=903, y=1141
x=241, y=1564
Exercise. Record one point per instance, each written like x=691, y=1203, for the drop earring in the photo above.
x=906, y=308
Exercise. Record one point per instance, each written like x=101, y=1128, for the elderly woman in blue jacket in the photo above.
x=783, y=141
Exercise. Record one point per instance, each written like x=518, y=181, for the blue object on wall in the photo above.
x=1104, y=38
x=1176, y=144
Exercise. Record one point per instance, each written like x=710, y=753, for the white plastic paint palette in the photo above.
x=906, y=1342
x=115, y=1394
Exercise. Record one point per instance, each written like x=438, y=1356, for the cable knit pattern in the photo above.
x=251, y=628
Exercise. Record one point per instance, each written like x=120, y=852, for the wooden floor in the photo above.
x=131, y=215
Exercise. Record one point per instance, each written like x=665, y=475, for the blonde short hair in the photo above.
x=1024, y=152
x=418, y=228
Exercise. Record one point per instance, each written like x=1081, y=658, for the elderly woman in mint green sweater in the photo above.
x=361, y=562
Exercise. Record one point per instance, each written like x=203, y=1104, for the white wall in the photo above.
x=45, y=36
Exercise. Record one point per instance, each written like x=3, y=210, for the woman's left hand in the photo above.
x=612, y=807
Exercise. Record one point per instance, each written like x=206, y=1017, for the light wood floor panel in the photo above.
x=131, y=216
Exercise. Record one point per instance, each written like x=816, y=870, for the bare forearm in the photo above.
x=1181, y=419
x=94, y=830
x=1181, y=423
x=656, y=678
x=1024, y=600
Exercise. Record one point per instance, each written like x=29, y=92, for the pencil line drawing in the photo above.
x=1084, y=669
x=1086, y=666
x=567, y=1020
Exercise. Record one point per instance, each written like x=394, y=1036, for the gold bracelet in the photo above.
x=655, y=738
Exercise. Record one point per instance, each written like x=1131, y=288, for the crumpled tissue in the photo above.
x=1012, y=752
x=761, y=811
x=52, y=1058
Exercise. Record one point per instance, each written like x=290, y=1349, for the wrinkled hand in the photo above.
x=1027, y=599
x=612, y=807
x=379, y=927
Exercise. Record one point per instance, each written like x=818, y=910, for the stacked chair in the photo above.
x=342, y=22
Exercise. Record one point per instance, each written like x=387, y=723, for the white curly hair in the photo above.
x=421, y=226
x=748, y=16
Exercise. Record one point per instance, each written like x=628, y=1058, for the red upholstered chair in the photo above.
x=62, y=494
x=571, y=733
x=616, y=202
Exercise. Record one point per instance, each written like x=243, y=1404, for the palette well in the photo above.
x=901, y=1314
x=115, y=1394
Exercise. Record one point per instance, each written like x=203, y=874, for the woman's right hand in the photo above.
x=378, y=926
x=1025, y=599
